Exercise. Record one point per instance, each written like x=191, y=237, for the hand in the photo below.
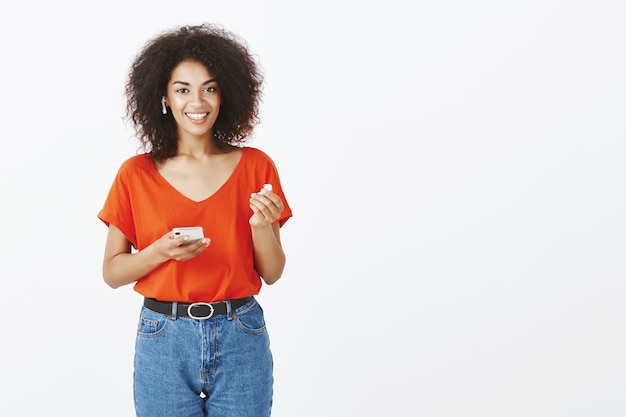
x=170, y=247
x=266, y=207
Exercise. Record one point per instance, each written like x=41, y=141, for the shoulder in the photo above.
x=255, y=153
x=259, y=164
x=137, y=163
x=256, y=156
x=134, y=168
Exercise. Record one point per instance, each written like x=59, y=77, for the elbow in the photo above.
x=111, y=283
x=271, y=279
x=270, y=272
x=109, y=279
x=271, y=275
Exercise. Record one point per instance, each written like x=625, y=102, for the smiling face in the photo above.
x=193, y=98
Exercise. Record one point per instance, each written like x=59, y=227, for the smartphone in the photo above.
x=195, y=233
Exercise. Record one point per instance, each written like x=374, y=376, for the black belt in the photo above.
x=198, y=311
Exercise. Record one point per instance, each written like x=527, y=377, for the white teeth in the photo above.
x=197, y=116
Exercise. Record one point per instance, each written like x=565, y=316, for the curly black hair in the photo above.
x=228, y=59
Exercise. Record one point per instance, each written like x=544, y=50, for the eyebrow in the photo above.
x=212, y=80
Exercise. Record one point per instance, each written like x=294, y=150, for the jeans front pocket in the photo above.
x=151, y=323
x=251, y=319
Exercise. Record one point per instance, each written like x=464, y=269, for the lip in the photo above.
x=197, y=117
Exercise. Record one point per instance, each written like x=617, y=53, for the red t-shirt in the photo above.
x=144, y=206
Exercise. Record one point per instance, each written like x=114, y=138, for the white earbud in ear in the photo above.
x=163, y=104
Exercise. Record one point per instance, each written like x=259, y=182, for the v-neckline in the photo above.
x=182, y=196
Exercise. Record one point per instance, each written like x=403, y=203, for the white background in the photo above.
x=455, y=168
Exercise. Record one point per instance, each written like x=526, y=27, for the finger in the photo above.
x=179, y=241
x=269, y=199
x=199, y=243
x=190, y=250
x=257, y=206
x=268, y=215
x=199, y=246
x=267, y=188
x=273, y=201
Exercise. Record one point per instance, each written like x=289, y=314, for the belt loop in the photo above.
x=174, y=310
x=228, y=310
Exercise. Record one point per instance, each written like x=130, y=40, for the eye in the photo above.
x=211, y=89
x=182, y=90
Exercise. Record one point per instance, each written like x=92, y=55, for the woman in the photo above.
x=202, y=347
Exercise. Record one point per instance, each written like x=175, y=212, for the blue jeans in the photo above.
x=219, y=367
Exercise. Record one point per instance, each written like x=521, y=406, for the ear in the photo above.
x=163, y=107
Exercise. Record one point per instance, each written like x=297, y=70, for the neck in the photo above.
x=196, y=145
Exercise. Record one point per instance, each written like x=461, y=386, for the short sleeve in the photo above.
x=271, y=176
x=117, y=209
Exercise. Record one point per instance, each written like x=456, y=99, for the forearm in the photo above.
x=269, y=257
x=121, y=266
x=126, y=268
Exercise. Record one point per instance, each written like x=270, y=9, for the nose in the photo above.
x=196, y=98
